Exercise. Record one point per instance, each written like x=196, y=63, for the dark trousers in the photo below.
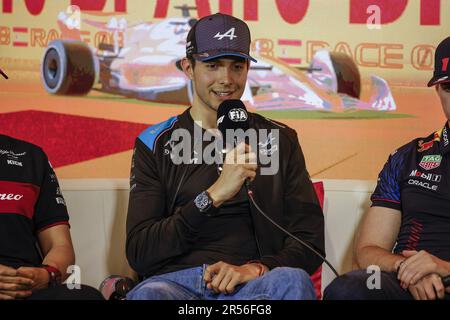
x=353, y=286
x=61, y=292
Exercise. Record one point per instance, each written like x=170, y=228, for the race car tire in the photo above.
x=347, y=74
x=68, y=68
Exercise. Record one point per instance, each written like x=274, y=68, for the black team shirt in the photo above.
x=30, y=201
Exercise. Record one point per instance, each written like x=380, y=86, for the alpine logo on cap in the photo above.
x=229, y=34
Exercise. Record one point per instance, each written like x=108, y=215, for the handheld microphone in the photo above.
x=232, y=114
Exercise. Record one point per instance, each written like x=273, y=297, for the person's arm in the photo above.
x=154, y=235
x=376, y=237
x=56, y=246
x=380, y=227
x=304, y=216
x=52, y=229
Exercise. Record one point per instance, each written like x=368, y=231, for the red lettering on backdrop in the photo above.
x=391, y=10
x=203, y=8
x=120, y=5
x=430, y=12
x=89, y=5
x=226, y=6
x=292, y=11
x=251, y=10
x=98, y=5
x=33, y=6
x=161, y=8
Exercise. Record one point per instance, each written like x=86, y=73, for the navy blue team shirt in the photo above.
x=415, y=181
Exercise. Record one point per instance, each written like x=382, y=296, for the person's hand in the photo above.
x=240, y=164
x=13, y=285
x=223, y=277
x=418, y=265
x=429, y=287
x=39, y=276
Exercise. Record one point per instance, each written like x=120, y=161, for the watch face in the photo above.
x=202, y=201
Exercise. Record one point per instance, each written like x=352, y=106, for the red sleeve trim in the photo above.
x=54, y=224
x=387, y=200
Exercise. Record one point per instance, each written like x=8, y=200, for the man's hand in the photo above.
x=429, y=287
x=418, y=265
x=223, y=277
x=240, y=164
x=13, y=285
x=39, y=276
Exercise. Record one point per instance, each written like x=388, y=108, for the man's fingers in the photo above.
x=428, y=288
x=7, y=271
x=414, y=293
x=438, y=287
x=242, y=148
x=421, y=292
x=14, y=286
x=232, y=285
x=5, y=297
x=17, y=279
x=16, y=294
x=409, y=253
x=217, y=280
x=251, y=175
x=222, y=287
x=409, y=272
x=246, y=158
x=25, y=272
x=210, y=271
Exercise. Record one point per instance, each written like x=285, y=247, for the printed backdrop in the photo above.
x=393, y=39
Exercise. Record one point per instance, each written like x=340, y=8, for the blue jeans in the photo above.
x=278, y=284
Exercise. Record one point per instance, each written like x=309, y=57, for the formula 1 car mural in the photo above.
x=141, y=62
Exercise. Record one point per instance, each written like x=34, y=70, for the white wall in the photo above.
x=97, y=210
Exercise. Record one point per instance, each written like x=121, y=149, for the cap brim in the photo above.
x=439, y=79
x=223, y=54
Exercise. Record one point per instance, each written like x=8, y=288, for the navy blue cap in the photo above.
x=218, y=35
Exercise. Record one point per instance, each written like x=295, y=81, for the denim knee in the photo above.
x=295, y=282
x=154, y=290
x=350, y=286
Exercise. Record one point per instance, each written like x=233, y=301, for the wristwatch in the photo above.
x=204, y=203
x=55, y=278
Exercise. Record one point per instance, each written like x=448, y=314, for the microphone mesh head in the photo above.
x=232, y=115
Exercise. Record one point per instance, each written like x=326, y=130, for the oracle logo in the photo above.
x=10, y=196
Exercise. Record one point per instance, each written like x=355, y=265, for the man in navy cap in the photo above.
x=191, y=231
x=406, y=232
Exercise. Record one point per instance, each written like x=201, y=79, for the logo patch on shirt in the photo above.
x=427, y=176
x=423, y=146
x=11, y=154
x=14, y=163
x=430, y=162
x=445, y=137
